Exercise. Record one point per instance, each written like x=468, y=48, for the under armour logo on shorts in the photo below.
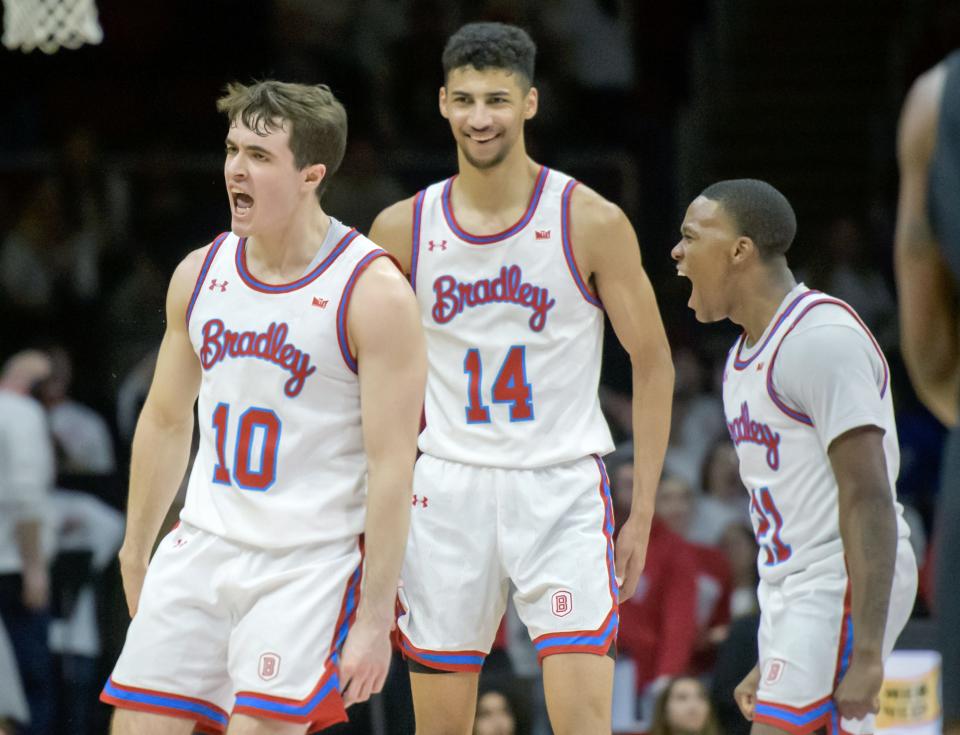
x=269, y=666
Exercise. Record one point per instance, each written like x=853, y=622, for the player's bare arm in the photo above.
x=607, y=252
x=385, y=333
x=161, y=443
x=393, y=231
x=868, y=527
x=745, y=695
x=929, y=326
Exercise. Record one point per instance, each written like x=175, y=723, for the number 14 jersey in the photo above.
x=514, y=335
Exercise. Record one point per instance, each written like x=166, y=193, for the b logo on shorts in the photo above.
x=774, y=671
x=269, y=666
x=562, y=603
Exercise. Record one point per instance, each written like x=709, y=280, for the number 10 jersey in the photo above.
x=281, y=461
x=514, y=335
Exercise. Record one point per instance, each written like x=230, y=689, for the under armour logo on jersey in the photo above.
x=214, y=283
x=442, y=245
x=422, y=501
x=759, y=367
x=322, y=303
x=542, y=234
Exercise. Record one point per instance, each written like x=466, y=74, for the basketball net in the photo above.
x=49, y=25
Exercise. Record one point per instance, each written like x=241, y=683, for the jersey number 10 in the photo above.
x=510, y=386
x=252, y=422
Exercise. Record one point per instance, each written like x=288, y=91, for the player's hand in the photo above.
x=745, y=694
x=365, y=661
x=858, y=693
x=133, y=569
x=36, y=587
x=631, y=554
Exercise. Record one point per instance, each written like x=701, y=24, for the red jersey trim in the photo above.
x=202, y=276
x=504, y=234
x=415, y=237
x=568, y=255
x=799, y=415
x=273, y=288
x=348, y=357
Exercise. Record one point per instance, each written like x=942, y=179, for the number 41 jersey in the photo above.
x=281, y=460
x=815, y=374
x=514, y=335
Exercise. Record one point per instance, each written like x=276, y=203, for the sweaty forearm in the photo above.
x=869, y=530
x=652, y=399
x=159, y=460
x=385, y=541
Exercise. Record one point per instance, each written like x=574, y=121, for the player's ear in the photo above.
x=443, y=102
x=531, y=103
x=743, y=248
x=313, y=175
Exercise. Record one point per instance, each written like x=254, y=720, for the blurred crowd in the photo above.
x=102, y=200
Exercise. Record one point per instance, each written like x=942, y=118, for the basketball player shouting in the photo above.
x=276, y=592
x=806, y=393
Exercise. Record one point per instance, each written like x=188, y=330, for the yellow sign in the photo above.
x=908, y=702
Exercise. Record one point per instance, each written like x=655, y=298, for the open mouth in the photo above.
x=241, y=203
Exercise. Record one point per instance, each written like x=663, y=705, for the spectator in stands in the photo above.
x=683, y=708
x=658, y=625
x=82, y=438
x=495, y=715
x=676, y=501
x=26, y=477
x=89, y=533
x=724, y=499
x=13, y=702
x=697, y=419
x=740, y=548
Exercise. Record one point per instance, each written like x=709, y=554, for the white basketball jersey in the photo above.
x=514, y=335
x=281, y=459
x=815, y=373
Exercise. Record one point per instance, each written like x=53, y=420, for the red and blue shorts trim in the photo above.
x=823, y=713
x=597, y=641
x=207, y=715
x=321, y=708
x=797, y=720
x=453, y=661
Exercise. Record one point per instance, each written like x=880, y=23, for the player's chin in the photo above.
x=240, y=226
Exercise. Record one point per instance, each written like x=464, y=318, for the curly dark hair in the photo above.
x=491, y=46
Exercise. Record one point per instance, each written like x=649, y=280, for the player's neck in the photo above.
x=765, y=293
x=491, y=190
x=282, y=255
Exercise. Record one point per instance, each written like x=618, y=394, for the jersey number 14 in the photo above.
x=510, y=386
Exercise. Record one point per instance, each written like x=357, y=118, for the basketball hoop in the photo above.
x=50, y=24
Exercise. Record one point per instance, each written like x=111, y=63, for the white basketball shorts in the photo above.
x=474, y=530
x=806, y=643
x=225, y=628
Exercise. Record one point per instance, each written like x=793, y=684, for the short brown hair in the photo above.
x=318, y=122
